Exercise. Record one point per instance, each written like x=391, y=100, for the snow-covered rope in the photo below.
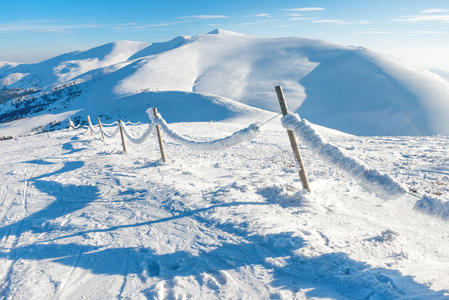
x=112, y=135
x=132, y=123
x=335, y=156
x=243, y=135
x=433, y=206
x=143, y=138
x=91, y=127
x=71, y=124
x=109, y=124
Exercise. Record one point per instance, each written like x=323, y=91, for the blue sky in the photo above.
x=414, y=30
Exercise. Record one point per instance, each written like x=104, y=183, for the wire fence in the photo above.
x=381, y=184
x=240, y=136
x=302, y=128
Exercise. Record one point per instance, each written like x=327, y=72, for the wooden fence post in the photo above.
x=293, y=141
x=122, y=135
x=90, y=125
x=101, y=127
x=71, y=124
x=159, y=136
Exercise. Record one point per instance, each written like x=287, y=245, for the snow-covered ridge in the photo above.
x=156, y=48
x=5, y=64
x=65, y=67
x=442, y=74
x=350, y=89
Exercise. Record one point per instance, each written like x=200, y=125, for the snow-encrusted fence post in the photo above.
x=71, y=125
x=159, y=136
x=101, y=127
x=293, y=141
x=122, y=135
x=90, y=125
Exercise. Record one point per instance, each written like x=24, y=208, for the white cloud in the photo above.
x=203, y=17
x=127, y=24
x=374, y=32
x=263, y=21
x=156, y=25
x=423, y=18
x=334, y=21
x=263, y=15
x=304, y=9
x=426, y=32
x=403, y=32
x=434, y=11
x=43, y=26
x=426, y=15
x=142, y=27
x=300, y=19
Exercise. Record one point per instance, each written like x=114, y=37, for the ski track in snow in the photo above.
x=80, y=219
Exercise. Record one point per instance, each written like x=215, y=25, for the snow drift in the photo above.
x=351, y=89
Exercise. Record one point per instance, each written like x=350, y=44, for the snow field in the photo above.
x=81, y=219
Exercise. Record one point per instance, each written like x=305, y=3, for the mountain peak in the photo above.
x=222, y=31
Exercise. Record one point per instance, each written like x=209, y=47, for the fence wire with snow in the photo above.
x=238, y=137
x=335, y=156
x=246, y=134
x=373, y=179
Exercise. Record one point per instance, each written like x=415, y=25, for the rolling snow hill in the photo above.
x=346, y=88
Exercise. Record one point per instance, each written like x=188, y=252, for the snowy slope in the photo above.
x=444, y=74
x=37, y=123
x=70, y=65
x=81, y=220
x=346, y=88
x=175, y=106
x=6, y=64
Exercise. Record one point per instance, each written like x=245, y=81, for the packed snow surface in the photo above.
x=350, y=89
x=79, y=219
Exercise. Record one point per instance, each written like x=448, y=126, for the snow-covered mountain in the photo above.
x=442, y=73
x=346, y=88
x=82, y=217
x=65, y=67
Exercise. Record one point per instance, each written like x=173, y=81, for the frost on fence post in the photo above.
x=90, y=125
x=71, y=125
x=293, y=141
x=122, y=135
x=101, y=127
x=159, y=136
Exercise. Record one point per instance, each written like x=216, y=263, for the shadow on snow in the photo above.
x=68, y=198
x=332, y=275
